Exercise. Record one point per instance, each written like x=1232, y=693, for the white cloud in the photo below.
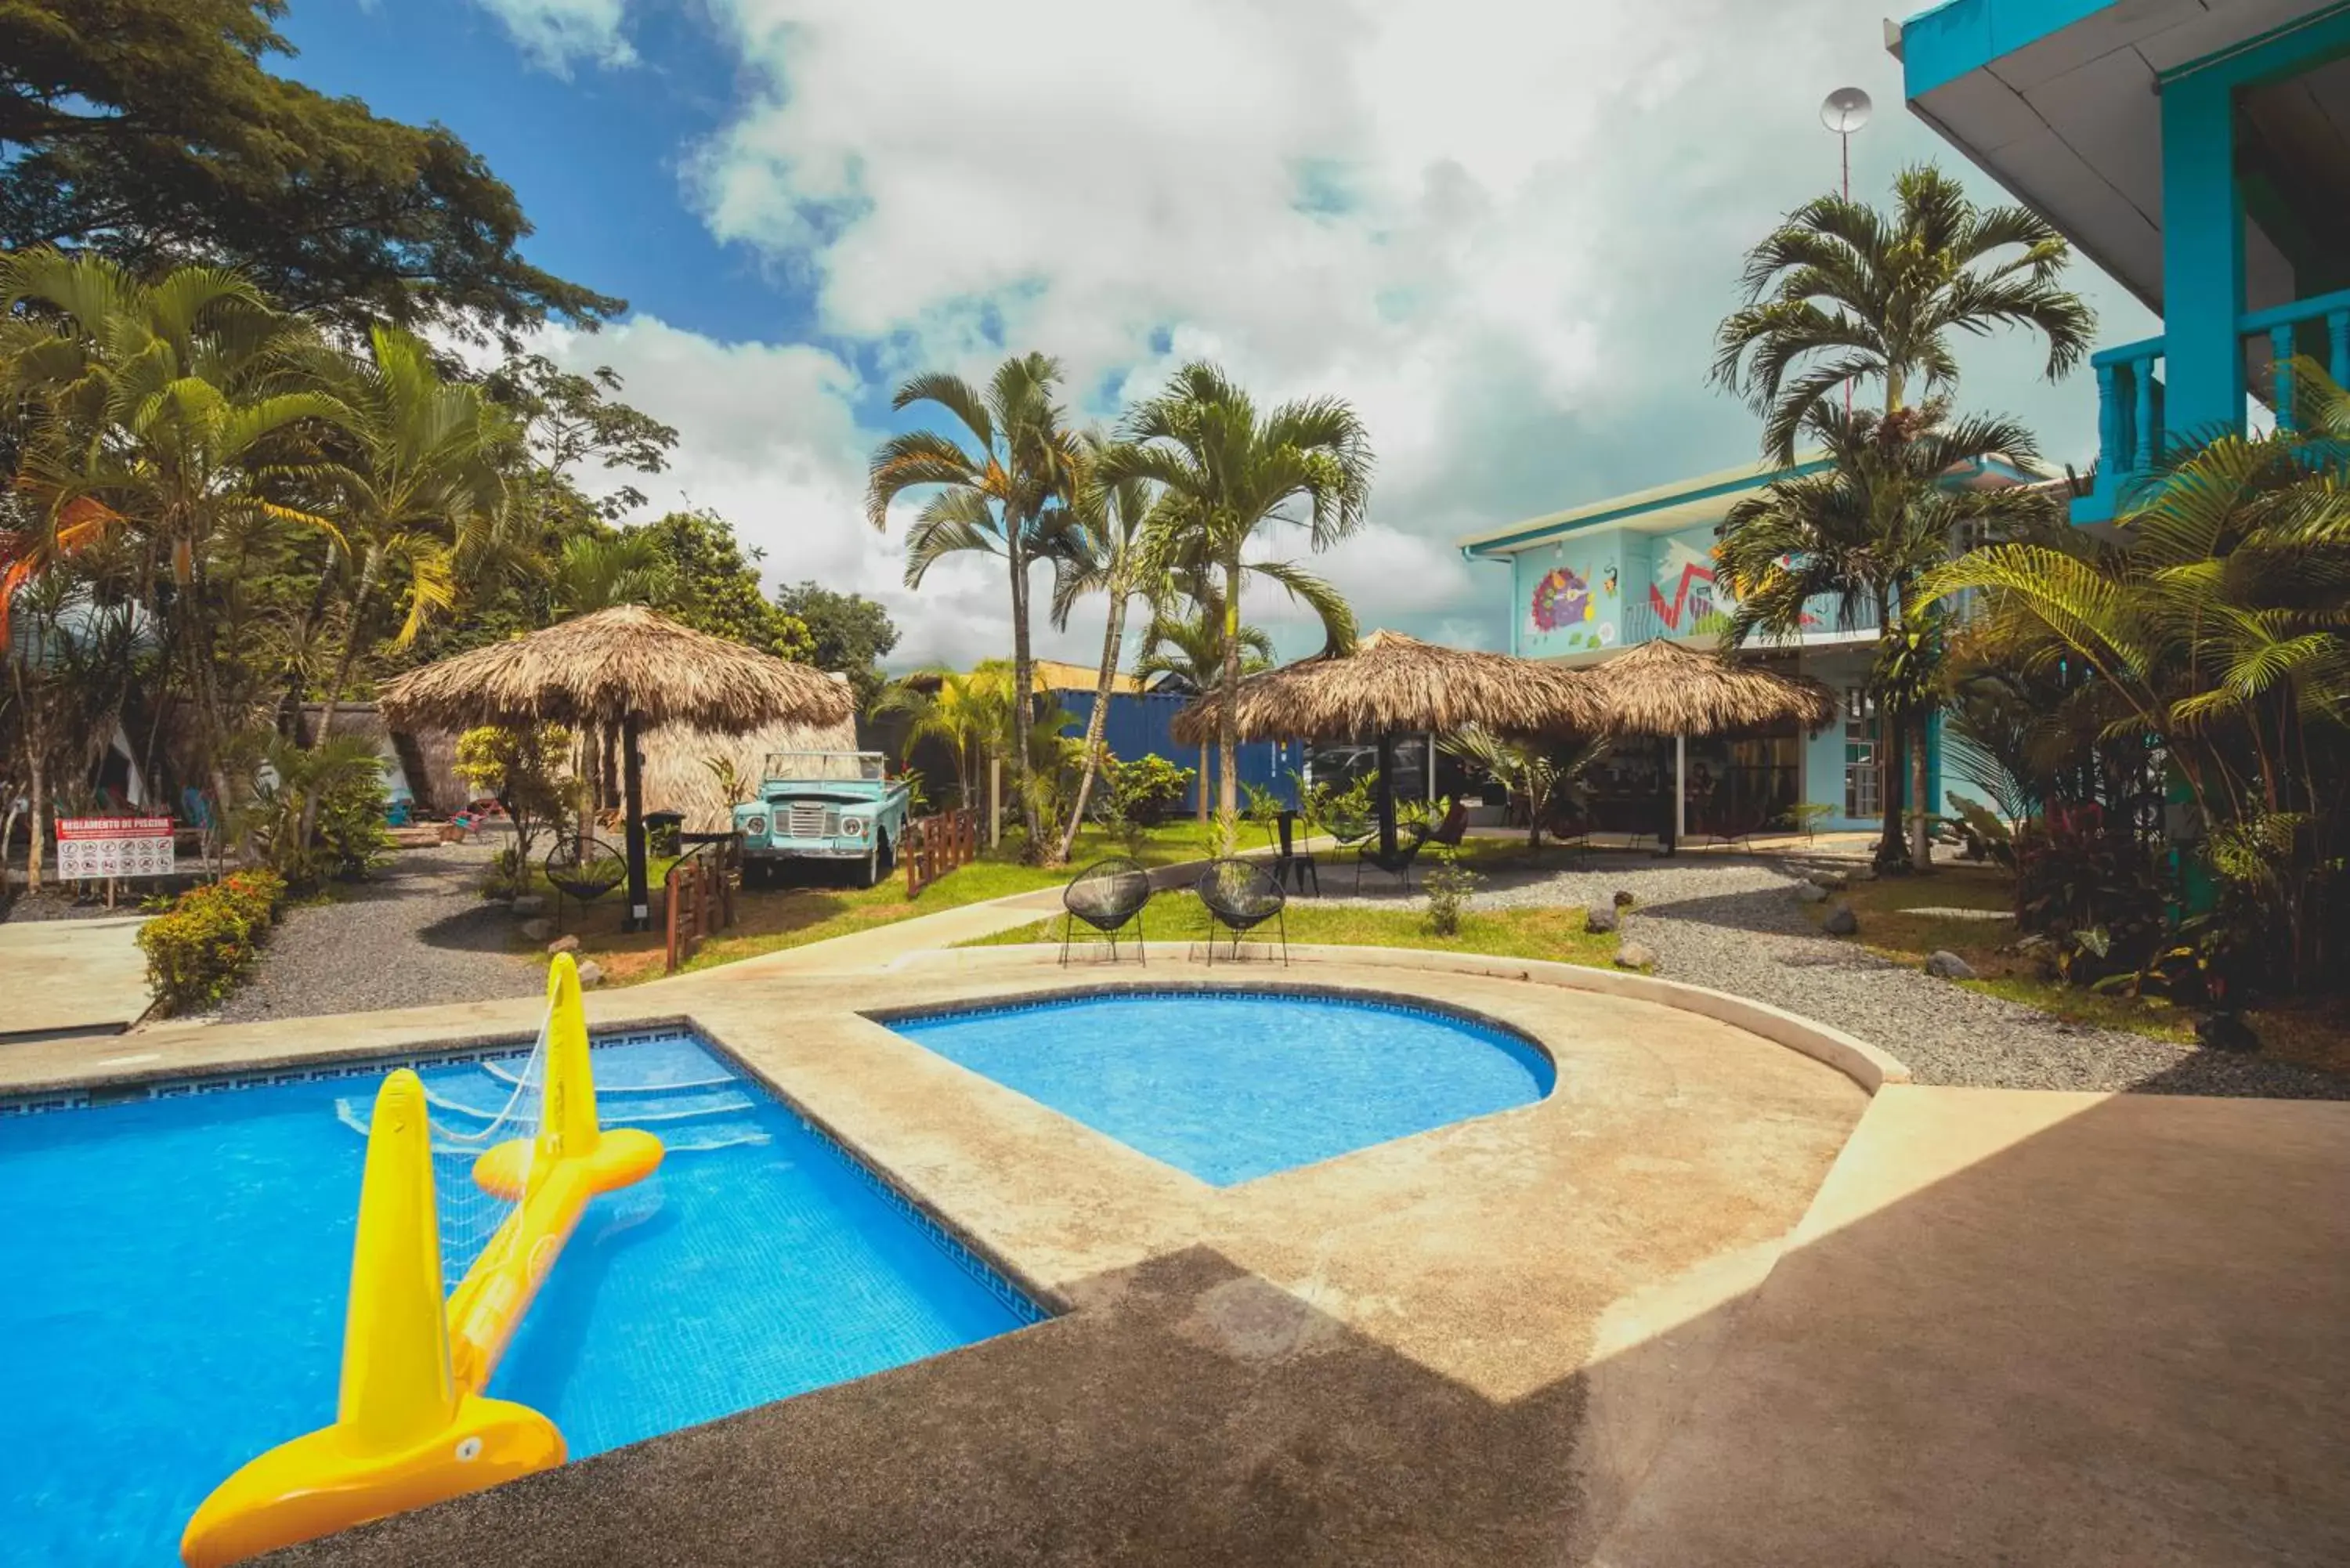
x=556, y=33
x=1504, y=231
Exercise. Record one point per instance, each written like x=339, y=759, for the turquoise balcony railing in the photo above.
x=1640, y=622
x=2130, y=390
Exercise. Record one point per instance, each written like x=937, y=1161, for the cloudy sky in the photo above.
x=1503, y=229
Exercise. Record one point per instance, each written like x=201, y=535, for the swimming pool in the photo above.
x=1231, y=1085
x=176, y=1271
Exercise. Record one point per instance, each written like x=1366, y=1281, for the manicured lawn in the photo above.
x=1540, y=933
x=770, y=919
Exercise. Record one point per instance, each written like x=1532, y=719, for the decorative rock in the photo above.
x=1623, y=901
x=591, y=975
x=1841, y=921
x=2227, y=1031
x=563, y=945
x=1834, y=881
x=1635, y=955
x=1810, y=893
x=1944, y=964
x=1862, y=874
x=530, y=904
x=537, y=931
x=1599, y=917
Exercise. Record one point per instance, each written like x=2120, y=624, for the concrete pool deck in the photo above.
x=1709, y=1303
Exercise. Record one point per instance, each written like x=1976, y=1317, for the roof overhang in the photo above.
x=2058, y=101
x=1663, y=509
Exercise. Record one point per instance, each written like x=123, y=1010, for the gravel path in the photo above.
x=416, y=935
x=1735, y=925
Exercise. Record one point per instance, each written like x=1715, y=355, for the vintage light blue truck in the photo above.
x=823, y=806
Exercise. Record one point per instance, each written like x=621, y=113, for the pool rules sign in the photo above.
x=91, y=847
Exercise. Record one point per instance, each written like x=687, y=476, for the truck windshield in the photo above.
x=826, y=767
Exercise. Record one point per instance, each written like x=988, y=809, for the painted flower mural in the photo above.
x=1562, y=600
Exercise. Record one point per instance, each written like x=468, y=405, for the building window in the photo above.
x=1861, y=799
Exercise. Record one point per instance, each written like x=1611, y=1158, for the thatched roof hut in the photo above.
x=1662, y=689
x=677, y=777
x=618, y=666
x=626, y=668
x=1393, y=683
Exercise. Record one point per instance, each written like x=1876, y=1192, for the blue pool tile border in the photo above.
x=990, y=1278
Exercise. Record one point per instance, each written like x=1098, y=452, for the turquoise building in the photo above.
x=2196, y=150
x=1590, y=582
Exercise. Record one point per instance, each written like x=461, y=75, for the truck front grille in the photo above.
x=812, y=821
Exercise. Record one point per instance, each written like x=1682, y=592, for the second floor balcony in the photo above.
x=2276, y=346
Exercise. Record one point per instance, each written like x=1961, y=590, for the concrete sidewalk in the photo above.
x=2036, y=1328
x=60, y=979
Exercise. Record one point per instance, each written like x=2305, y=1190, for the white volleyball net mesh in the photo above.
x=472, y=1111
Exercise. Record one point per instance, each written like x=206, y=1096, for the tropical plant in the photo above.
x=1188, y=651
x=600, y=571
x=163, y=419
x=72, y=659
x=202, y=943
x=1537, y=773
x=1448, y=886
x=1229, y=472
x=1142, y=791
x=1841, y=292
x=317, y=812
x=958, y=711
x=2214, y=627
x=525, y=769
x=1103, y=554
x=1003, y=487
x=1860, y=532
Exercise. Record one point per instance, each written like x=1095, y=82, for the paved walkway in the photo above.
x=70, y=977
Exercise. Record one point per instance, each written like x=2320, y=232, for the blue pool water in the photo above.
x=1234, y=1086
x=175, y=1273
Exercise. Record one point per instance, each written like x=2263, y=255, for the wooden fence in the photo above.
x=937, y=844
x=700, y=893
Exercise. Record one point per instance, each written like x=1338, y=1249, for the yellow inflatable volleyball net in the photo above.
x=413, y=1424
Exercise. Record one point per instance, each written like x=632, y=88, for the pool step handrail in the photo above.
x=412, y=1426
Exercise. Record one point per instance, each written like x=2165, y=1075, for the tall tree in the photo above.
x=1107, y=557
x=849, y=632
x=163, y=417
x=1842, y=293
x=1228, y=472
x=1861, y=532
x=1002, y=487
x=1185, y=641
x=155, y=132
x=715, y=585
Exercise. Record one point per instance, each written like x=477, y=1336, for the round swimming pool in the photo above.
x=1234, y=1085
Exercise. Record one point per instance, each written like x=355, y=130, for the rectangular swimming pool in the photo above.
x=176, y=1270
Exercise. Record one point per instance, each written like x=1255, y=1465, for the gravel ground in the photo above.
x=51, y=904
x=416, y=935
x=1735, y=925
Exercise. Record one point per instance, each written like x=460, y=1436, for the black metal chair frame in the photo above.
x=582, y=891
x=1289, y=863
x=1220, y=912
x=1115, y=867
x=1417, y=838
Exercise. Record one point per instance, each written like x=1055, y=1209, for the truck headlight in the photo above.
x=853, y=825
x=755, y=827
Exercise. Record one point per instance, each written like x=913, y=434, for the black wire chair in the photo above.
x=1109, y=896
x=1241, y=894
x=584, y=870
x=1399, y=864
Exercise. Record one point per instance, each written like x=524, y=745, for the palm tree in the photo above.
x=1106, y=556
x=1842, y=293
x=1861, y=532
x=420, y=480
x=1190, y=649
x=599, y=571
x=2215, y=626
x=1537, y=772
x=162, y=417
x=1228, y=471
x=964, y=712
x=1004, y=488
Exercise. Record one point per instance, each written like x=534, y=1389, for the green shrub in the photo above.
x=1142, y=791
x=1447, y=884
x=208, y=938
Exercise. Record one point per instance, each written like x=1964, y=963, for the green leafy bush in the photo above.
x=1447, y=884
x=319, y=811
x=208, y=937
x=1143, y=791
x=2089, y=901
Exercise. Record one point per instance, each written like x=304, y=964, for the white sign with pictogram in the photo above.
x=90, y=847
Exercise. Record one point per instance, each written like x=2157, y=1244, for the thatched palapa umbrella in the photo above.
x=626, y=667
x=1662, y=689
x=1392, y=682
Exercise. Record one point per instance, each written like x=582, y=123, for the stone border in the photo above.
x=1865, y=1064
